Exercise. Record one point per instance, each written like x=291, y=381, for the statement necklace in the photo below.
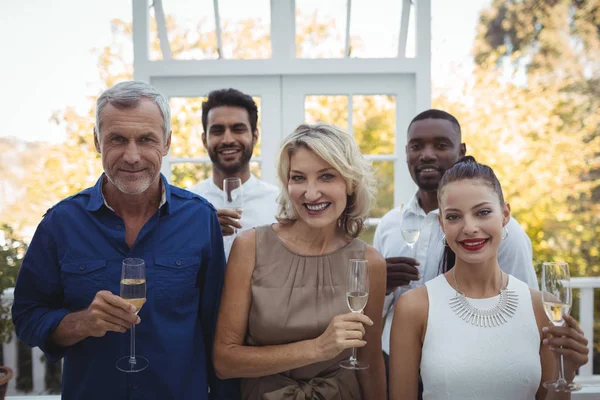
x=496, y=316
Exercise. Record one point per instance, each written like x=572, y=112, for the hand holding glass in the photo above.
x=233, y=195
x=557, y=299
x=133, y=290
x=357, y=295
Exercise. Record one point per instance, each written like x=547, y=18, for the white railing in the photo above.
x=586, y=377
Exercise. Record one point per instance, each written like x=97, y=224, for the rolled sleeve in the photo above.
x=37, y=307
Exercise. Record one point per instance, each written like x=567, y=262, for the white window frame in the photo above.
x=192, y=78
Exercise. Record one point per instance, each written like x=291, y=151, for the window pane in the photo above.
x=411, y=37
x=186, y=175
x=256, y=152
x=255, y=168
x=190, y=29
x=320, y=28
x=384, y=174
x=329, y=109
x=367, y=234
x=374, y=123
x=375, y=28
x=186, y=125
x=245, y=28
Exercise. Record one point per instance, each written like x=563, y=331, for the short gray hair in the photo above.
x=128, y=95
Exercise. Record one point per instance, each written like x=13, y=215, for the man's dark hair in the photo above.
x=230, y=98
x=435, y=114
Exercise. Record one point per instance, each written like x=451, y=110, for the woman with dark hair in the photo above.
x=506, y=350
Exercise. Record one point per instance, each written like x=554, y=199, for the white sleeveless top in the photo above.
x=462, y=361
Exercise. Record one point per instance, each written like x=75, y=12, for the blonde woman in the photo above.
x=284, y=324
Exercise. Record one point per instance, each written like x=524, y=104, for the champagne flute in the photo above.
x=557, y=298
x=357, y=295
x=133, y=290
x=233, y=196
x=411, y=230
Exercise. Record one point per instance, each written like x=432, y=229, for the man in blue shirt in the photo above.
x=66, y=295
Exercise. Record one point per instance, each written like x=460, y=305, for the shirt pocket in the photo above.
x=176, y=279
x=82, y=279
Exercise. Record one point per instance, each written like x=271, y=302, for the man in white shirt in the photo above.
x=229, y=119
x=434, y=146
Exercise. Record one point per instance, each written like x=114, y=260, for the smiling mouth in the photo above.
x=317, y=207
x=428, y=170
x=228, y=152
x=473, y=244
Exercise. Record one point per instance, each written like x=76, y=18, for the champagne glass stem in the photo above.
x=132, y=346
x=561, y=371
x=353, y=359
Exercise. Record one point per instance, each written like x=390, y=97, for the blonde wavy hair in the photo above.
x=340, y=150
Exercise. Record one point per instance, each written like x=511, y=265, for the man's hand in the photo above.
x=108, y=312
x=229, y=219
x=400, y=272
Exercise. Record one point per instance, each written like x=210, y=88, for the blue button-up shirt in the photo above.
x=78, y=250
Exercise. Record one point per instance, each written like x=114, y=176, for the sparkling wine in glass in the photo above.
x=133, y=290
x=357, y=295
x=557, y=298
x=233, y=195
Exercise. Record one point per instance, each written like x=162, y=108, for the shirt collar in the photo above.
x=97, y=197
x=414, y=208
x=245, y=185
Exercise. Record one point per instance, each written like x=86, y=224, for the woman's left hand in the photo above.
x=569, y=341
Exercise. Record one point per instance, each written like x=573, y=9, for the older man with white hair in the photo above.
x=67, y=294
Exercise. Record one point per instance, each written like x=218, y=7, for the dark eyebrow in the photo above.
x=483, y=203
x=213, y=126
x=239, y=125
x=472, y=208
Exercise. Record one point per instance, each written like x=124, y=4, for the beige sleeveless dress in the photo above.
x=294, y=297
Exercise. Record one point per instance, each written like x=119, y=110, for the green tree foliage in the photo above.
x=12, y=251
x=553, y=47
x=554, y=176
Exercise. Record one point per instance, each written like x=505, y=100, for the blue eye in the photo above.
x=327, y=177
x=296, y=178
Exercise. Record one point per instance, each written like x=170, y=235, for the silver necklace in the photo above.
x=496, y=316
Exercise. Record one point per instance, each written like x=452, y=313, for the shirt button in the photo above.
x=135, y=387
x=119, y=227
x=82, y=267
x=178, y=262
